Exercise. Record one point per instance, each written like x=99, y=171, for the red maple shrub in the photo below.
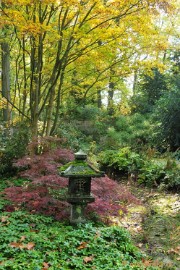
x=42, y=170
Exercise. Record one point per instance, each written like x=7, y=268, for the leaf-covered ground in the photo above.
x=155, y=226
x=36, y=242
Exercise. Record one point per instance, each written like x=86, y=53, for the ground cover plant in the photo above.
x=46, y=243
x=37, y=242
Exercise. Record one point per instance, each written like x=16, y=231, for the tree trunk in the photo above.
x=135, y=82
x=6, y=80
x=50, y=111
x=99, y=99
x=111, y=94
x=34, y=91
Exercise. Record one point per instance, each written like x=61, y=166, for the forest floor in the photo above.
x=155, y=226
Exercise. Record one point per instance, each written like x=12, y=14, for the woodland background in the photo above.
x=103, y=76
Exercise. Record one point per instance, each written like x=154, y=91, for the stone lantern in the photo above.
x=79, y=173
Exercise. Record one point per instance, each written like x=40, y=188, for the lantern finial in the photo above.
x=80, y=155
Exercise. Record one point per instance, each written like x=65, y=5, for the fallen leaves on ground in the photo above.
x=21, y=245
x=82, y=245
x=45, y=266
x=88, y=259
x=174, y=250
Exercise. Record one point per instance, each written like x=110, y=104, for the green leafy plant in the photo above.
x=37, y=242
x=149, y=168
x=124, y=160
x=128, y=131
x=160, y=172
x=151, y=174
x=167, y=114
x=14, y=147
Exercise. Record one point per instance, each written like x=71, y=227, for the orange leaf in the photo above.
x=23, y=237
x=88, y=259
x=30, y=245
x=82, y=245
x=4, y=218
x=17, y=245
x=147, y=262
x=174, y=250
x=45, y=266
x=20, y=245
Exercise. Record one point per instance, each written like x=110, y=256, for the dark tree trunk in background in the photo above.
x=99, y=99
x=6, y=80
x=111, y=94
x=135, y=82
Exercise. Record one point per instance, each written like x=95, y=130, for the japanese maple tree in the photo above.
x=38, y=194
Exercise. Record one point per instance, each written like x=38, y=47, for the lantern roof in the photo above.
x=80, y=167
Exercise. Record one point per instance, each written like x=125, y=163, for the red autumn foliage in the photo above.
x=42, y=170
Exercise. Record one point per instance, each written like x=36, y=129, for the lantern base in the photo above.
x=80, y=199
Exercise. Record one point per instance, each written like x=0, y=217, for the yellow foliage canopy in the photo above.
x=63, y=46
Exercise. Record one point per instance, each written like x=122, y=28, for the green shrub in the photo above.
x=133, y=131
x=124, y=160
x=14, y=147
x=71, y=134
x=172, y=179
x=150, y=171
x=87, y=112
x=167, y=114
x=160, y=172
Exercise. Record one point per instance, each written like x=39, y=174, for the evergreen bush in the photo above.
x=148, y=168
x=15, y=146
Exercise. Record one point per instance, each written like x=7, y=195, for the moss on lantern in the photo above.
x=79, y=173
x=78, y=168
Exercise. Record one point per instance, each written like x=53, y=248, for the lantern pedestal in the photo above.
x=77, y=213
x=78, y=206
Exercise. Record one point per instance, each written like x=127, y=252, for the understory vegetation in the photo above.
x=149, y=168
x=38, y=242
